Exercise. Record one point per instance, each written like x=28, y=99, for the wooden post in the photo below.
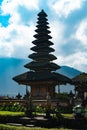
x=28, y=103
x=48, y=105
x=58, y=88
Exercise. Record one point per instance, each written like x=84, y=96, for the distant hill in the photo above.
x=68, y=71
x=10, y=67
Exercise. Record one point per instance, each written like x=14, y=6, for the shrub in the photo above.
x=40, y=109
x=16, y=107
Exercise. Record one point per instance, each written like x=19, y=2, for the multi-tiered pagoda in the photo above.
x=41, y=75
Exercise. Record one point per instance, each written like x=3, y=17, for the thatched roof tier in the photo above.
x=42, y=27
x=42, y=36
x=42, y=31
x=80, y=79
x=41, y=19
x=42, y=22
x=81, y=88
x=42, y=56
x=31, y=77
x=42, y=49
x=42, y=66
x=42, y=42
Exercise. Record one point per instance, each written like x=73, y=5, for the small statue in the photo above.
x=29, y=104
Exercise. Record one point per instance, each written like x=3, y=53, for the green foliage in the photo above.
x=82, y=109
x=67, y=109
x=40, y=109
x=16, y=107
x=63, y=96
x=61, y=109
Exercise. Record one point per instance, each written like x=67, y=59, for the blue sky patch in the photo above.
x=77, y=16
x=1, y=2
x=26, y=15
x=4, y=20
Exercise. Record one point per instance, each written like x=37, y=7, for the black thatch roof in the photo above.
x=41, y=30
x=31, y=77
x=41, y=35
x=39, y=73
x=42, y=27
x=42, y=41
x=81, y=82
x=42, y=22
x=42, y=49
x=42, y=65
x=42, y=19
x=45, y=56
x=80, y=79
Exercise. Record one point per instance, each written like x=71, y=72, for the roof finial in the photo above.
x=42, y=13
x=42, y=10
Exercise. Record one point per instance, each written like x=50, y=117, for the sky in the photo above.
x=68, y=25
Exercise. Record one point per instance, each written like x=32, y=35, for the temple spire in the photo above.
x=42, y=75
x=42, y=58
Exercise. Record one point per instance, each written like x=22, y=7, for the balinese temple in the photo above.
x=41, y=76
x=80, y=82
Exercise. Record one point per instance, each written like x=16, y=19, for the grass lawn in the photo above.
x=7, y=127
x=9, y=113
x=22, y=114
x=68, y=115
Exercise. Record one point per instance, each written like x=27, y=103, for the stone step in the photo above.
x=30, y=125
x=14, y=124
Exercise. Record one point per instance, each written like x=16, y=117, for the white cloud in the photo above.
x=11, y=7
x=77, y=60
x=78, y=47
x=6, y=50
x=65, y=7
x=81, y=32
x=33, y=4
x=15, y=37
x=57, y=31
x=78, y=57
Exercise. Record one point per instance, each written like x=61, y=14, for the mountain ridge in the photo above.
x=69, y=71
